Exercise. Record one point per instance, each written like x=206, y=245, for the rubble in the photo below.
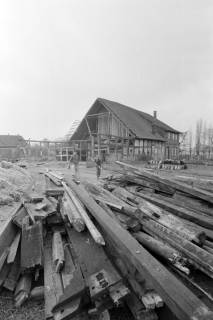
x=14, y=183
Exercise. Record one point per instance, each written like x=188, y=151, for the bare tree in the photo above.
x=198, y=135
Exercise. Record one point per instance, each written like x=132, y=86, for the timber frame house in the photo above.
x=114, y=131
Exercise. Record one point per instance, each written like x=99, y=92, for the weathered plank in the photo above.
x=8, y=231
x=31, y=245
x=19, y=217
x=3, y=257
x=56, y=181
x=88, y=222
x=13, y=248
x=22, y=291
x=73, y=214
x=4, y=273
x=178, y=210
x=195, y=192
x=161, y=249
x=137, y=309
x=54, y=192
x=12, y=278
x=52, y=282
x=184, y=304
x=69, y=267
x=198, y=257
x=57, y=251
x=184, y=228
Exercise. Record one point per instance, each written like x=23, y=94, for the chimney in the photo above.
x=155, y=114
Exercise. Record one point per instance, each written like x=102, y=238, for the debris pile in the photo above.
x=167, y=164
x=87, y=249
x=14, y=182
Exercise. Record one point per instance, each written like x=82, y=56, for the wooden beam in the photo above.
x=13, y=248
x=12, y=278
x=52, y=283
x=195, y=192
x=179, y=211
x=31, y=245
x=57, y=251
x=183, y=303
x=8, y=230
x=88, y=127
x=88, y=222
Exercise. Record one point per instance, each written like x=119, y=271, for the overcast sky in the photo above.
x=57, y=57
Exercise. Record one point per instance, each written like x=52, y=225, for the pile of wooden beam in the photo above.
x=88, y=249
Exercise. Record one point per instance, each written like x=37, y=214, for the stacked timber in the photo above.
x=51, y=249
x=145, y=273
x=86, y=250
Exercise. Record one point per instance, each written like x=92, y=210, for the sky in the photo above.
x=58, y=56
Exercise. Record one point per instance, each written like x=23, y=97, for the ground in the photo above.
x=34, y=310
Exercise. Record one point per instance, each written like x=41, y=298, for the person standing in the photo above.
x=98, y=167
x=75, y=161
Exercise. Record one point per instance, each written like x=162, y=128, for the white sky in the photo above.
x=57, y=57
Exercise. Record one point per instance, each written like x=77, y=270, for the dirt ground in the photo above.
x=33, y=310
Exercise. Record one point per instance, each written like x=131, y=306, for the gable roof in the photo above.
x=139, y=123
x=134, y=118
x=8, y=140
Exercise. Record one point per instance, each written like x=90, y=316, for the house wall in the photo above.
x=111, y=139
x=150, y=149
x=110, y=125
x=172, y=145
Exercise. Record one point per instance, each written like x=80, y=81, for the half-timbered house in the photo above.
x=115, y=131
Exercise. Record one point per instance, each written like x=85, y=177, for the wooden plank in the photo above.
x=198, y=257
x=37, y=293
x=69, y=267
x=73, y=214
x=56, y=181
x=97, y=270
x=85, y=248
x=35, y=197
x=29, y=210
x=13, y=248
x=183, y=303
x=4, y=273
x=184, y=228
x=13, y=276
x=96, y=235
x=149, y=185
x=52, y=282
x=31, y=245
x=57, y=251
x=178, y=210
x=19, y=217
x=8, y=231
x=3, y=257
x=161, y=249
x=137, y=309
x=55, y=219
x=54, y=192
x=197, y=193
x=22, y=291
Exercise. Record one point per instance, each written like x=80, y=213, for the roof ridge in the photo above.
x=147, y=116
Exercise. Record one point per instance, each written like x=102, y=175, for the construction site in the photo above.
x=107, y=223
x=106, y=160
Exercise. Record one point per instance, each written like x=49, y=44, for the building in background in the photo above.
x=12, y=147
x=115, y=131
